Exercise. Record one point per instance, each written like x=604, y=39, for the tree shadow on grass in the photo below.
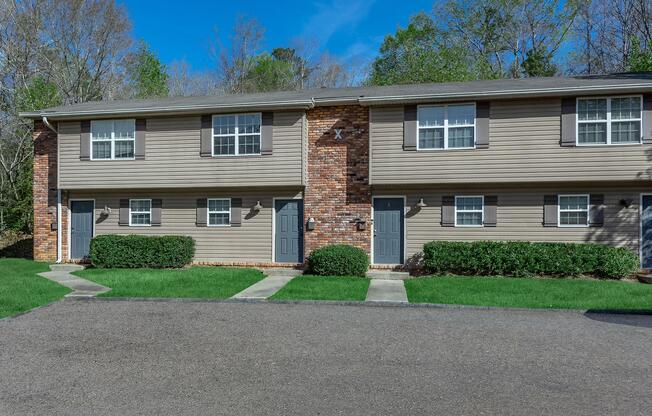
x=23, y=249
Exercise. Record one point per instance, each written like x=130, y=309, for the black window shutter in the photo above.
x=124, y=212
x=568, y=121
x=202, y=212
x=141, y=129
x=448, y=211
x=85, y=141
x=267, y=133
x=550, y=210
x=596, y=210
x=410, y=127
x=206, y=146
x=490, y=210
x=236, y=212
x=157, y=207
x=482, y=125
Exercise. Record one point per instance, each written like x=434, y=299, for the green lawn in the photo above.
x=193, y=282
x=21, y=289
x=530, y=293
x=324, y=288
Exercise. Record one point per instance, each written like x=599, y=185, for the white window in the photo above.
x=140, y=212
x=469, y=211
x=113, y=139
x=449, y=126
x=236, y=134
x=573, y=210
x=609, y=120
x=219, y=212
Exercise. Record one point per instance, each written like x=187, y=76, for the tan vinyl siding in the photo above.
x=520, y=217
x=172, y=159
x=523, y=147
x=251, y=242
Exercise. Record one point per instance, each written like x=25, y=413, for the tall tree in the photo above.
x=183, y=81
x=606, y=33
x=269, y=73
x=509, y=38
x=84, y=45
x=146, y=75
x=419, y=53
x=237, y=62
x=639, y=60
x=51, y=52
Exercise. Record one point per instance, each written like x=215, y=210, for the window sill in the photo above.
x=450, y=149
x=238, y=156
x=112, y=160
x=606, y=144
x=572, y=226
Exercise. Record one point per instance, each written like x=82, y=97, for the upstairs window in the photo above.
x=236, y=134
x=113, y=139
x=611, y=120
x=140, y=212
x=449, y=126
x=219, y=211
x=469, y=211
x=573, y=210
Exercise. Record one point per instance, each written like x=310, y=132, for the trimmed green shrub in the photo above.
x=521, y=258
x=135, y=251
x=338, y=260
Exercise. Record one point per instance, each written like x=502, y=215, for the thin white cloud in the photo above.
x=333, y=16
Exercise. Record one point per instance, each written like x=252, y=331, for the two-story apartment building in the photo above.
x=264, y=179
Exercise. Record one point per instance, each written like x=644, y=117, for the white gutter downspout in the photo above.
x=59, y=231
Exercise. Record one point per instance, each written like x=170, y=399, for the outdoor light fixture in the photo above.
x=106, y=211
x=421, y=204
x=258, y=206
x=626, y=202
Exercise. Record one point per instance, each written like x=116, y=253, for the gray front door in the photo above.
x=388, y=230
x=289, y=231
x=81, y=228
x=646, y=232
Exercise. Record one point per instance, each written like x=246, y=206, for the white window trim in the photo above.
x=236, y=134
x=445, y=127
x=141, y=212
x=113, y=140
x=481, y=210
x=608, y=121
x=208, y=212
x=587, y=210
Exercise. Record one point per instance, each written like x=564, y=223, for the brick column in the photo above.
x=45, y=193
x=338, y=189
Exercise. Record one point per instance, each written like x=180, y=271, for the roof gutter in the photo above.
x=196, y=109
x=553, y=92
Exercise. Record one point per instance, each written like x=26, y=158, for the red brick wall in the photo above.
x=338, y=188
x=45, y=193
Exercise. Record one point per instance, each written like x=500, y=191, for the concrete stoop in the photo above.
x=387, y=275
x=66, y=267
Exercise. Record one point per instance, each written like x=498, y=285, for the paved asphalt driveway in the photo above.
x=197, y=358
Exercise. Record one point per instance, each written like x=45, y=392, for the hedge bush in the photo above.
x=134, y=251
x=520, y=258
x=338, y=260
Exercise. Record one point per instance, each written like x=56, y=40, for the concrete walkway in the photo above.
x=386, y=291
x=275, y=280
x=60, y=273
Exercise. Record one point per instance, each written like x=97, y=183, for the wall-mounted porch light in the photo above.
x=258, y=206
x=421, y=204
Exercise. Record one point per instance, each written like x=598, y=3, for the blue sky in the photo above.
x=349, y=29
